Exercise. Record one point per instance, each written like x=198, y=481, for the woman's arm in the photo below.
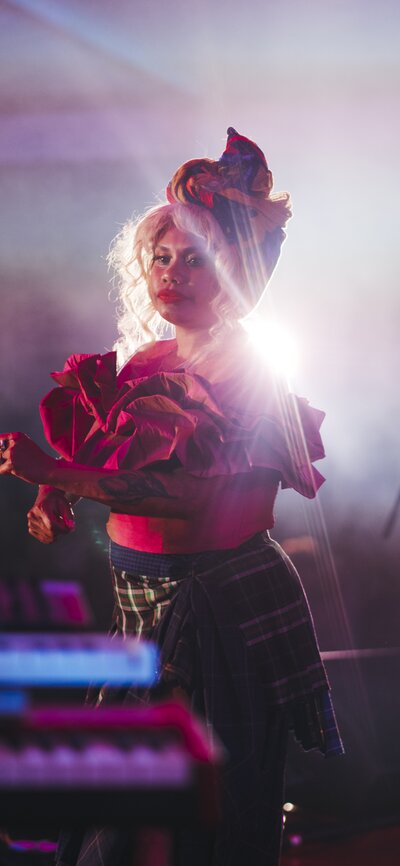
x=144, y=492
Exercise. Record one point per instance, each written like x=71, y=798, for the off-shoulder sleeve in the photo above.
x=81, y=403
x=180, y=415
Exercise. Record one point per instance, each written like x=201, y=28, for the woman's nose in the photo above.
x=173, y=273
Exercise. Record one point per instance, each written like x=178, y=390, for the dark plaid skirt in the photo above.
x=235, y=632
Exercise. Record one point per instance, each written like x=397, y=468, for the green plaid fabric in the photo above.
x=140, y=601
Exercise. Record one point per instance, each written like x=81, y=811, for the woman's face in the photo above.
x=183, y=281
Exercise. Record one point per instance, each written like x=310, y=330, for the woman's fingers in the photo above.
x=46, y=522
x=41, y=531
x=37, y=516
x=40, y=526
x=21, y=456
x=8, y=439
x=7, y=442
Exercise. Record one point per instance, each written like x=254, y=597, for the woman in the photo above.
x=188, y=445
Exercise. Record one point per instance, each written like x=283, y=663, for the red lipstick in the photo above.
x=170, y=297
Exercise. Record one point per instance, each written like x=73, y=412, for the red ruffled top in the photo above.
x=224, y=417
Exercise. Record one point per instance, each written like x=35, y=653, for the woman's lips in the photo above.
x=170, y=297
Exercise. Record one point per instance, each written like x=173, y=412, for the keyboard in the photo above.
x=114, y=765
x=69, y=660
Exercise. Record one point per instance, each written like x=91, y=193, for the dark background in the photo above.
x=99, y=103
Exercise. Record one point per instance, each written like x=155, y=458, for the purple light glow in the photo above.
x=99, y=103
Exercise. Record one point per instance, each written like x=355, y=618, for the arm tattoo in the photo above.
x=133, y=487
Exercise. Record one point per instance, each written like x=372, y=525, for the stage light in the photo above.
x=295, y=840
x=275, y=345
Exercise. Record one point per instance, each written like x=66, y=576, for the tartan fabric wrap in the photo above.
x=251, y=594
x=140, y=601
x=234, y=630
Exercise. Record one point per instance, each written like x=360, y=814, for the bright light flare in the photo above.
x=275, y=345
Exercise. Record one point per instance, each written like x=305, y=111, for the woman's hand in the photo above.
x=20, y=456
x=50, y=516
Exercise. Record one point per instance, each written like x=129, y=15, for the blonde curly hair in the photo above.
x=131, y=256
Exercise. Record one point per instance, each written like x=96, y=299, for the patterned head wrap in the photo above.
x=237, y=190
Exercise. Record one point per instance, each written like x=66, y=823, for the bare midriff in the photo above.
x=233, y=509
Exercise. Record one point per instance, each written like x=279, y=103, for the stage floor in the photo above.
x=377, y=847
x=371, y=848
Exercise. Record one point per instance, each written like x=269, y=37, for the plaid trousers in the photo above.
x=235, y=631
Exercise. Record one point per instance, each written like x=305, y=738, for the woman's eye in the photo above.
x=163, y=260
x=195, y=261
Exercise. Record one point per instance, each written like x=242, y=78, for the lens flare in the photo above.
x=275, y=345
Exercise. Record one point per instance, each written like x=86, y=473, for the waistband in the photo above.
x=168, y=564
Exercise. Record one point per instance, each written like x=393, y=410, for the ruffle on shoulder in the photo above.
x=180, y=415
